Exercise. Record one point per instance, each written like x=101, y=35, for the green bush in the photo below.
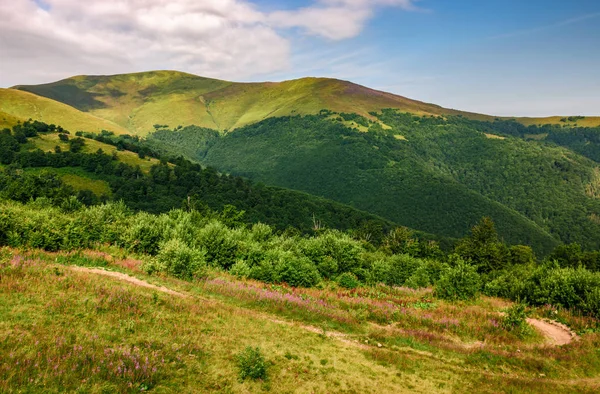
x=179, y=260
x=403, y=267
x=348, y=280
x=460, y=282
x=379, y=272
x=251, y=364
x=333, y=252
x=145, y=232
x=220, y=244
x=240, y=269
x=515, y=319
x=297, y=271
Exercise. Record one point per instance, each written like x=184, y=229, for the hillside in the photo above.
x=139, y=101
x=153, y=182
x=18, y=106
x=432, y=174
x=181, y=302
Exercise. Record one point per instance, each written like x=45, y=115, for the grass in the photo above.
x=64, y=330
x=47, y=142
x=16, y=105
x=78, y=178
x=139, y=101
x=588, y=121
x=136, y=102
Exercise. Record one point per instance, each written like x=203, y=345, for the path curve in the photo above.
x=556, y=334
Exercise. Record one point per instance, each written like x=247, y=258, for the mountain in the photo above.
x=100, y=167
x=138, y=101
x=18, y=106
x=420, y=165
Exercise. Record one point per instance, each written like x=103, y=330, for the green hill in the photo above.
x=163, y=182
x=18, y=106
x=416, y=164
x=139, y=101
x=438, y=175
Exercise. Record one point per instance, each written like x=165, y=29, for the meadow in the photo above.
x=65, y=327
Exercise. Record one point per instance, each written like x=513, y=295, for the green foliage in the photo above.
x=515, y=320
x=181, y=184
x=145, y=233
x=179, y=260
x=442, y=179
x=333, y=252
x=297, y=271
x=251, y=364
x=459, y=282
x=483, y=248
x=348, y=280
x=220, y=244
x=240, y=269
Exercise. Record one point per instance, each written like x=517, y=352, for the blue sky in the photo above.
x=501, y=57
x=505, y=57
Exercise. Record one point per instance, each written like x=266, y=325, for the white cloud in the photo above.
x=43, y=40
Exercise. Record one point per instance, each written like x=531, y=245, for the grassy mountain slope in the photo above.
x=16, y=105
x=584, y=121
x=139, y=101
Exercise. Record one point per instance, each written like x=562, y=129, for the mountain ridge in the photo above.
x=138, y=101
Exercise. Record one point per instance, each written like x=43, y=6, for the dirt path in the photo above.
x=556, y=334
x=129, y=279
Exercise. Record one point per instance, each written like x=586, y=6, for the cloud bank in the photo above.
x=230, y=39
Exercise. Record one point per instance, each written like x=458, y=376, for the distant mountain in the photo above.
x=138, y=101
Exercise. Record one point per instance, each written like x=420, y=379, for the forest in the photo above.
x=173, y=183
x=438, y=175
x=166, y=215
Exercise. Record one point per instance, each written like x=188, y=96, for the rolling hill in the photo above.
x=18, y=106
x=138, y=101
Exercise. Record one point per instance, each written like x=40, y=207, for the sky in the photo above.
x=499, y=57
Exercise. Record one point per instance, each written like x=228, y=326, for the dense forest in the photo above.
x=173, y=183
x=435, y=174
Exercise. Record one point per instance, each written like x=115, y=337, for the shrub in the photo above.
x=403, y=267
x=261, y=232
x=379, y=272
x=297, y=271
x=177, y=259
x=460, y=282
x=348, y=280
x=240, y=269
x=515, y=320
x=333, y=252
x=220, y=244
x=145, y=233
x=251, y=364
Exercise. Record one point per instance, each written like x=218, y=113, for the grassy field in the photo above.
x=17, y=105
x=47, y=143
x=139, y=101
x=69, y=329
x=588, y=121
x=78, y=178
